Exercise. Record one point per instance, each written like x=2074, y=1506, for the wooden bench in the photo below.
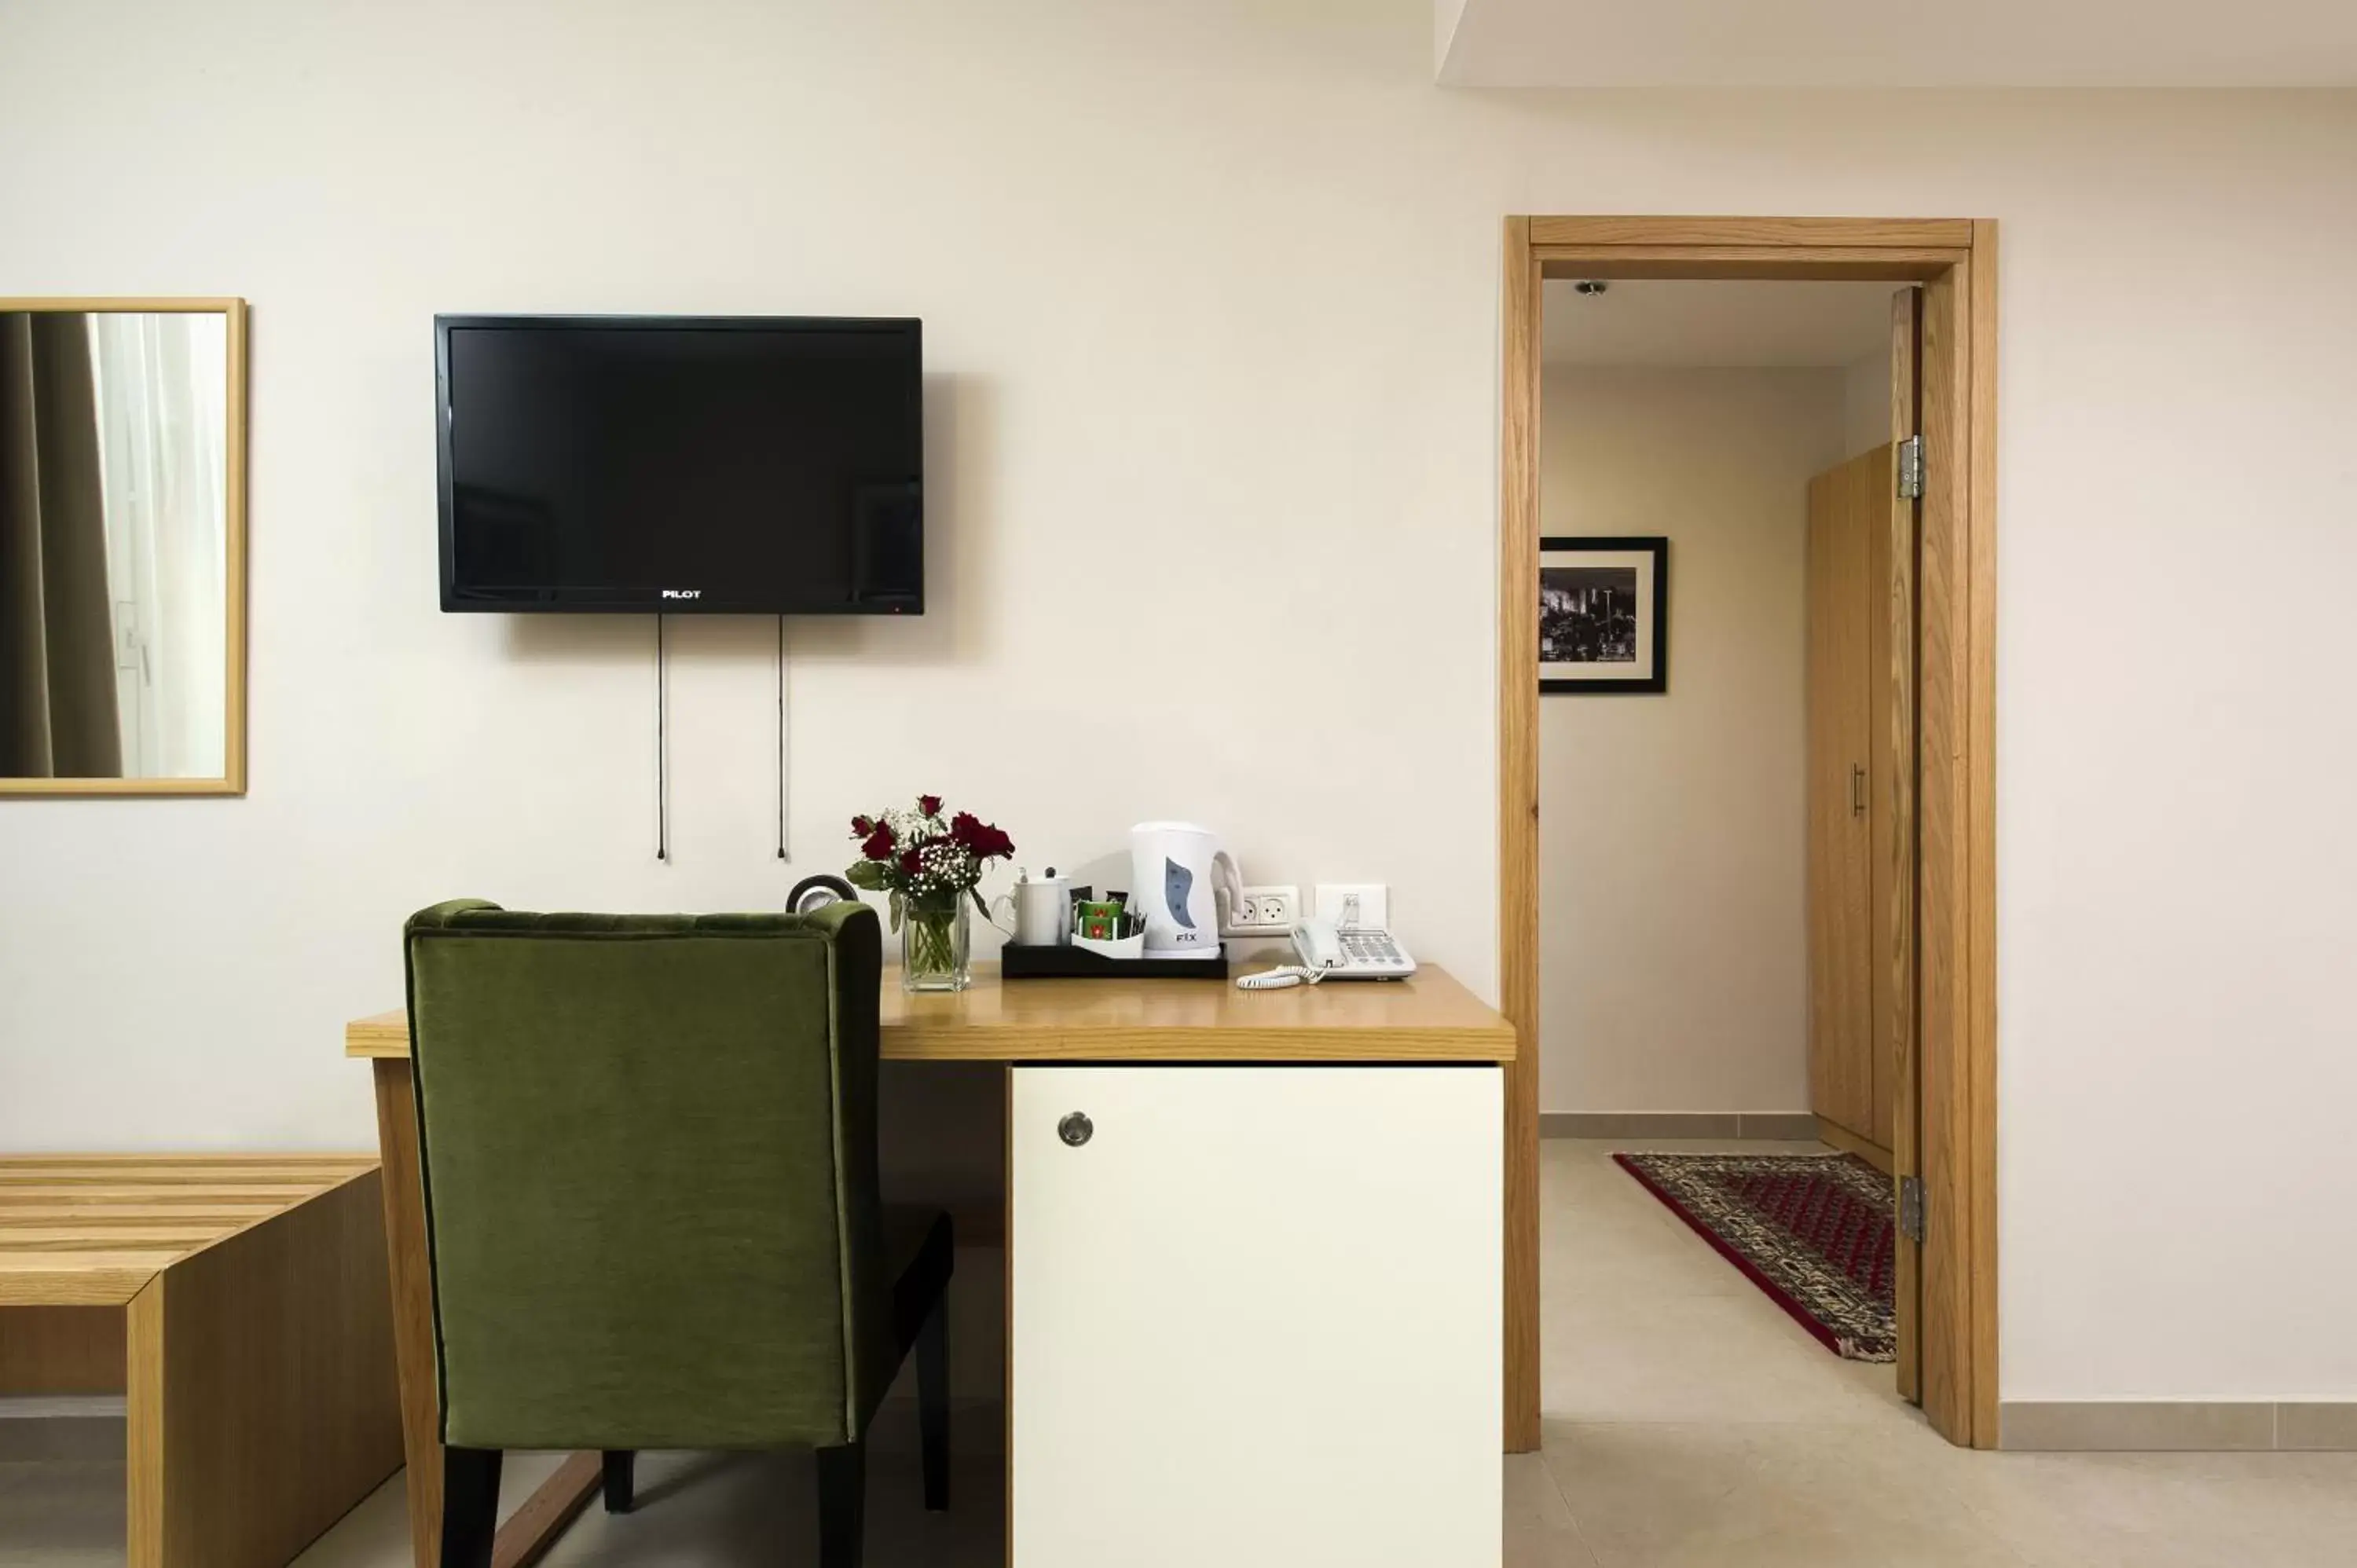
x=239, y=1304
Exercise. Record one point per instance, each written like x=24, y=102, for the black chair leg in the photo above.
x=933, y=1402
x=471, y=1506
x=619, y=1492
x=842, y=1504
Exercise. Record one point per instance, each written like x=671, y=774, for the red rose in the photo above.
x=978, y=838
x=879, y=843
x=862, y=825
x=931, y=805
x=911, y=863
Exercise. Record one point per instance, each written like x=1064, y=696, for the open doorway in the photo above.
x=1713, y=1080
x=1944, y=1000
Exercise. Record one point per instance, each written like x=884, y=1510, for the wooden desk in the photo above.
x=1427, y=1019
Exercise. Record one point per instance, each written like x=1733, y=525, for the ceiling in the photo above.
x=1638, y=322
x=1894, y=43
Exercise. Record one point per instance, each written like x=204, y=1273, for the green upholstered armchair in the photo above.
x=651, y=1196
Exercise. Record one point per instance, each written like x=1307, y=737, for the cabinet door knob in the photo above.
x=1075, y=1129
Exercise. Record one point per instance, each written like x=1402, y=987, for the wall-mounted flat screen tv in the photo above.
x=711, y=464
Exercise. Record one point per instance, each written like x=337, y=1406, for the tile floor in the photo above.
x=1689, y=1423
x=701, y=1510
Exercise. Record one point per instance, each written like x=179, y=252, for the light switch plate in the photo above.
x=1375, y=903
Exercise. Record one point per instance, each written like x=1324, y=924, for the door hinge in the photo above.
x=1911, y=1208
x=1910, y=469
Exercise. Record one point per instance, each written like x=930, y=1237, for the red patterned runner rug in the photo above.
x=1815, y=1232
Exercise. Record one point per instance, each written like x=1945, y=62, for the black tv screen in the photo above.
x=749, y=464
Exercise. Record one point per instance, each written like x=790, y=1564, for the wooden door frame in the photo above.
x=1955, y=1045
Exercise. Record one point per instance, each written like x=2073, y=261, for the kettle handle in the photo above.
x=1225, y=874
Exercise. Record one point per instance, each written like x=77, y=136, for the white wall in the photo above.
x=1211, y=294
x=1672, y=828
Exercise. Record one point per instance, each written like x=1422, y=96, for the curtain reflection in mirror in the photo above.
x=163, y=417
x=114, y=547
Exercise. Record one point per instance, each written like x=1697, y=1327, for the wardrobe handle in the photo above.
x=1076, y=1129
x=1856, y=789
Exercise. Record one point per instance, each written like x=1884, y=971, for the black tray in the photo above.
x=1015, y=962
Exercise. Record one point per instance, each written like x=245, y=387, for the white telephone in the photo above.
x=1355, y=953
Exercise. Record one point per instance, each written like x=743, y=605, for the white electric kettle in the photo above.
x=1171, y=870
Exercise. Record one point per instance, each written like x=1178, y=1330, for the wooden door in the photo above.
x=1890, y=874
x=1255, y=1315
x=1863, y=568
x=1896, y=862
x=1843, y=505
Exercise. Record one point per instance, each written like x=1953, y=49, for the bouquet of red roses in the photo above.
x=923, y=858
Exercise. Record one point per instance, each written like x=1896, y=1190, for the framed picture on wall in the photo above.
x=1604, y=615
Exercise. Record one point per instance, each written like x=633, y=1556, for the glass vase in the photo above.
x=934, y=943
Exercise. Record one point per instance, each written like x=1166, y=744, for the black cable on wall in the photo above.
x=662, y=741
x=781, y=738
x=662, y=771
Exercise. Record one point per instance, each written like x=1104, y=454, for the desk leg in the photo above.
x=413, y=1304
x=533, y=1527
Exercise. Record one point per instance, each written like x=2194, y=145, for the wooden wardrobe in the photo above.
x=1861, y=610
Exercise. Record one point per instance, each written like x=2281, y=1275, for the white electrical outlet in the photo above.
x=1373, y=909
x=1260, y=912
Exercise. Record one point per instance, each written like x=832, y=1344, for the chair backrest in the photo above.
x=649, y=1168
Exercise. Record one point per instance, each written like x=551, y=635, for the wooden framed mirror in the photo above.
x=122, y=546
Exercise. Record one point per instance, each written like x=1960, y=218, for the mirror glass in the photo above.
x=119, y=548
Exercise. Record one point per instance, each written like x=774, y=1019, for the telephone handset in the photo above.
x=1327, y=952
